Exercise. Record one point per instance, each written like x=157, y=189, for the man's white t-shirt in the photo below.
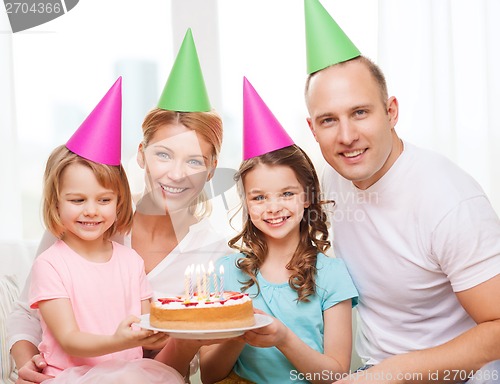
x=422, y=232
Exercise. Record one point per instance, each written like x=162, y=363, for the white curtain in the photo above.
x=440, y=57
x=10, y=194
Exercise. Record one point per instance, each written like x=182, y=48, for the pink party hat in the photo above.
x=99, y=137
x=262, y=132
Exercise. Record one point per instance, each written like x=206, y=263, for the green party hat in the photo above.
x=326, y=42
x=185, y=89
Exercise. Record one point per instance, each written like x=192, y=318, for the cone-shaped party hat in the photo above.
x=185, y=89
x=326, y=42
x=99, y=137
x=262, y=132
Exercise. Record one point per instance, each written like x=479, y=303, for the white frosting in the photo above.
x=215, y=302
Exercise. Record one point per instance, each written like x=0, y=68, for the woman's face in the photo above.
x=177, y=162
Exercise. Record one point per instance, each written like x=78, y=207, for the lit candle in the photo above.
x=198, y=281
x=187, y=283
x=211, y=272
x=221, y=273
x=204, y=279
x=191, y=281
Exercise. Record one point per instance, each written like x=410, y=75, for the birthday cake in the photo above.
x=211, y=311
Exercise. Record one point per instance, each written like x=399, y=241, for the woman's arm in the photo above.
x=24, y=331
x=218, y=360
x=59, y=317
x=24, y=335
x=337, y=344
x=178, y=354
x=31, y=371
x=23, y=351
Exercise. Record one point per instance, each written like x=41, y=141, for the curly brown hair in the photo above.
x=313, y=227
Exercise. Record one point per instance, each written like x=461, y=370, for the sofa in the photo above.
x=16, y=258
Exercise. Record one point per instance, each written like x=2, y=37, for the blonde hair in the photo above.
x=313, y=227
x=112, y=177
x=206, y=124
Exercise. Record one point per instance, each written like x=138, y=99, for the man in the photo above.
x=417, y=233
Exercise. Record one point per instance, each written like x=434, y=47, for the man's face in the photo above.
x=352, y=124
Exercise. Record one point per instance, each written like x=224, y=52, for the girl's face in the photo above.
x=178, y=163
x=86, y=209
x=276, y=201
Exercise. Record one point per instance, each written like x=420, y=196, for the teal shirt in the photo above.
x=269, y=365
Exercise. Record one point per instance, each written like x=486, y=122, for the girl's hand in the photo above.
x=131, y=337
x=31, y=372
x=272, y=335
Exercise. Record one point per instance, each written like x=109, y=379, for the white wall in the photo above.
x=440, y=60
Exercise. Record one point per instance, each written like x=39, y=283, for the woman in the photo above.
x=178, y=154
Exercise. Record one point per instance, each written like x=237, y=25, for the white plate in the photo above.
x=208, y=334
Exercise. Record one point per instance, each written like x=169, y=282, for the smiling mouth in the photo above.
x=277, y=220
x=173, y=190
x=353, y=153
x=89, y=223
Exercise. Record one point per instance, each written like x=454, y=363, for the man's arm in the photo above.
x=456, y=359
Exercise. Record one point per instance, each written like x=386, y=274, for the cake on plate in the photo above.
x=208, y=312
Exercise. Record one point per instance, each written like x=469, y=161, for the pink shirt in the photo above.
x=102, y=295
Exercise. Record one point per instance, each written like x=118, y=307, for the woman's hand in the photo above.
x=158, y=341
x=31, y=372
